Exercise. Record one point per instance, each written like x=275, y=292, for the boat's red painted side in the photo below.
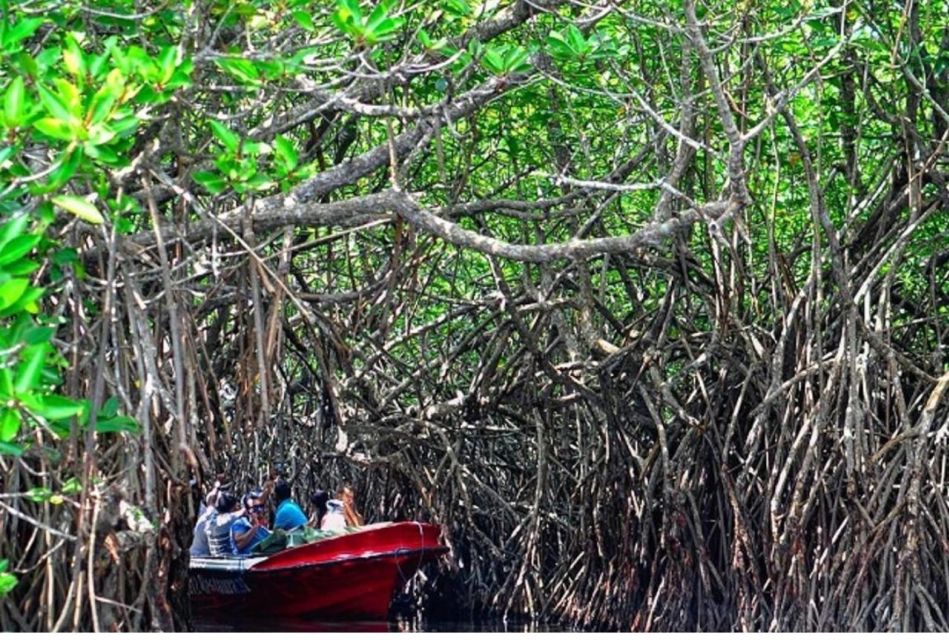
x=373, y=539
x=352, y=575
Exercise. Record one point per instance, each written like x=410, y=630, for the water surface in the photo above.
x=420, y=624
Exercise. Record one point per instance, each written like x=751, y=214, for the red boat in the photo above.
x=352, y=575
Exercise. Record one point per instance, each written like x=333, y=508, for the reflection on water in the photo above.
x=413, y=625
x=288, y=624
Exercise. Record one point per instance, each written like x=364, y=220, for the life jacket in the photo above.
x=219, y=533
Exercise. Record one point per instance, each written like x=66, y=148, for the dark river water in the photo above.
x=416, y=625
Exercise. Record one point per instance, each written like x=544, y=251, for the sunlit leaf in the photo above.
x=9, y=424
x=110, y=408
x=243, y=70
x=54, y=407
x=55, y=128
x=286, y=153
x=67, y=165
x=39, y=494
x=22, y=267
x=106, y=97
x=117, y=424
x=11, y=290
x=7, y=581
x=227, y=137
x=73, y=58
x=213, y=182
x=167, y=63
x=348, y=18
x=26, y=302
x=79, y=207
x=55, y=105
x=28, y=374
x=38, y=335
x=13, y=228
x=304, y=19
x=22, y=29
x=17, y=248
x=13, y=103
x=71, y=486
x=457, y=7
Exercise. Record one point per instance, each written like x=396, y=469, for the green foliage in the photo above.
x=378, y=26
x=81, y=99
x=7, y=580
x=571, y=46
x=429, y=43
x=45, y=495
x=504, y=60
x=457, y=7
x=79, y=207
x=238, y=164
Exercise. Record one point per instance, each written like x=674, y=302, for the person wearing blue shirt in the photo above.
x=249, y=529
x=289, y=515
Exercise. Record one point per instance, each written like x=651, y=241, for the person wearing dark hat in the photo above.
x=289, y=515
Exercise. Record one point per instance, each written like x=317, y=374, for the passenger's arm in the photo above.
x=241, y=540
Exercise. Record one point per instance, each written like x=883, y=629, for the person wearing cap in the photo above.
x=250, y=528
x=289, y=515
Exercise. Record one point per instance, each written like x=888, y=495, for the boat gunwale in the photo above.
x=305, y=565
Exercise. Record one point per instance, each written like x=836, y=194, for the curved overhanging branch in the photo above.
x=271, y=214
x=453, y=233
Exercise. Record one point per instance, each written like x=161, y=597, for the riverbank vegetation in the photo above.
x=645, y=302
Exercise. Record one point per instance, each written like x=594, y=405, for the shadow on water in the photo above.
x=398, y=626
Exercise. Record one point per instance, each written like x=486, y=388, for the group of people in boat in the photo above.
x=228, y=525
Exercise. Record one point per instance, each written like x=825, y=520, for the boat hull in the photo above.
x=349, y=576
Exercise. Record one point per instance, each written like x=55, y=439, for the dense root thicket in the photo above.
x=735, y=420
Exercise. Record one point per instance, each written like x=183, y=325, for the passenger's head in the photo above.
x=226, y=502
x=251, y=499
x=319, y=499
x=281, y=490
x=254, y=504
